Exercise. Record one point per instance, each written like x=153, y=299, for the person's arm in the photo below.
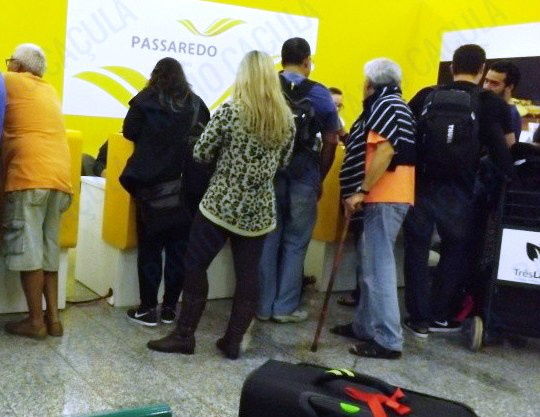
x=498, y=149
x=382, y=158
x=133, y=123
x=510, y=139
x=207, y=147
x=328, y=152
x=101, y=161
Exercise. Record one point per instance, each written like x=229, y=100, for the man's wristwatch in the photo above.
x=361, y=190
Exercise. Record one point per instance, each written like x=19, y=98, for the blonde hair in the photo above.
x=258, y=89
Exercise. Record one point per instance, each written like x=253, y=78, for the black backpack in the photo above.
x=304, y=113
x=448, y=142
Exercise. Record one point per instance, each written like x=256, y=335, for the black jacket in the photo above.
x=161, y=139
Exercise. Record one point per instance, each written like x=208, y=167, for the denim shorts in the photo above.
x=31, y=228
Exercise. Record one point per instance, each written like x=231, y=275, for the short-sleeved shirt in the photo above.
x=395, y=186
x=494, y=119
x=2, y=103
x=35, y=149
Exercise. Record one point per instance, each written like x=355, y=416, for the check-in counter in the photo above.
x=11, y=295
x=107, y=248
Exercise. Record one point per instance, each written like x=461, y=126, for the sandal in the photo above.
x=374, y=350
x=347, y=301
x=346, y=330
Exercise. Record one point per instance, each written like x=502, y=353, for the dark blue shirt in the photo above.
x=516, y=121
x=2, y=104
x=325, y=109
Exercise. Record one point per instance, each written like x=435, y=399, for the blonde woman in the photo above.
x=250, y=137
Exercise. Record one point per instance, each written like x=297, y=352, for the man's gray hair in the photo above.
x=31, y=58
x=382, y=71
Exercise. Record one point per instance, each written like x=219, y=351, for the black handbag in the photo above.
x=162, y=207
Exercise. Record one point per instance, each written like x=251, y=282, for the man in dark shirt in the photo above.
x=502, y=78
x=449, y=205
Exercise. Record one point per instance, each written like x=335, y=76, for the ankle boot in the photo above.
x=182, y=338
x=241, y=318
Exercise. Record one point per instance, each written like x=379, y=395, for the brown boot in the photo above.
x=182, y=338
x=241, y=317
x=27, y=329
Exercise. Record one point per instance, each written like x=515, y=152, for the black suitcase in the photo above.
x=279, y=389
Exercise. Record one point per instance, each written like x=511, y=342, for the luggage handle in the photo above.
x=351, y=376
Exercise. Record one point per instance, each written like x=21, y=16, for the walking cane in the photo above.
x=335, y=267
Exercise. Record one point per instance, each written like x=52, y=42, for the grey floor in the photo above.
x=102, y=363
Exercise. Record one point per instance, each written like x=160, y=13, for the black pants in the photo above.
x=150, y=264
x=206, y=240
x=449, y=207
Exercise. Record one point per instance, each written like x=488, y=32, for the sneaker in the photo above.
x=168, y=314
x=445, y=326
x=296, y=316
x=416, y=329
x=260, y=317
x=144, y=316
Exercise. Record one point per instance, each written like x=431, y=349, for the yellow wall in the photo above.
x=350, y=32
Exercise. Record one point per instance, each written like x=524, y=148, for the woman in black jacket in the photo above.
x=162, y=121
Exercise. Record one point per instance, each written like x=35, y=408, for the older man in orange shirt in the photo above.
x=37, y=186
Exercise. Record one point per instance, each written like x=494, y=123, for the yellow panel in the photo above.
x=119, y=228
x=69, y=225
x=329, y=211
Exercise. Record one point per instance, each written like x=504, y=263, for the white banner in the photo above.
x=499, y=42
x=519, y=260
x=113, y=45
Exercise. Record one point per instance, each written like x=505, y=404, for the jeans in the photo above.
x=377, y=316
x=450, y=207
x=150, y=264
x=282, y=261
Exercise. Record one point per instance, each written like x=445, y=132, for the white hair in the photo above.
x=31, y=58
x=382, y=71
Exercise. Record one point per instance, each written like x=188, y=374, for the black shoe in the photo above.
x=445, y=326
x=173, y=343
x=229, y=349
x=144, y=316
x=416, y=329
x=374, y=350
x=168, y=314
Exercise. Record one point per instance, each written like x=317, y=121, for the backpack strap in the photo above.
x=296, y=91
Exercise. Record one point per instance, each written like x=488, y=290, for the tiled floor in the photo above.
x=102, y=363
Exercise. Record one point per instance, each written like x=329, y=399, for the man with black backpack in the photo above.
x=455, y=123
x=298, y=187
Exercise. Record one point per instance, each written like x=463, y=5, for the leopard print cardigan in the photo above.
x=240, y=197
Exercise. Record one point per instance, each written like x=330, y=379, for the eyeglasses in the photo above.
x=9, y=60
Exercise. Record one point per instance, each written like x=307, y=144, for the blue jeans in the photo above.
x=377, y=316
x=450, y=207
x=284, y=252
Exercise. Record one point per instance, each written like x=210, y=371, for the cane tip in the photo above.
x=314, y=348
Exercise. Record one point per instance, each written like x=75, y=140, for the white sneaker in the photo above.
x=297, y=316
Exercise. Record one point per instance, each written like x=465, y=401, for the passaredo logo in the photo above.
x=216, y=28
x=108, y=81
